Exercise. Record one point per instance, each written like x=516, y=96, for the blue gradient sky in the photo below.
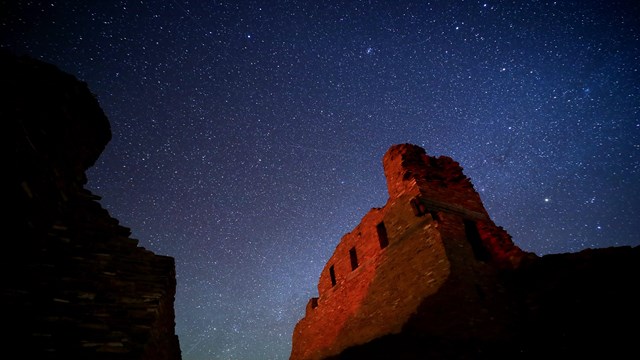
x=248, y=135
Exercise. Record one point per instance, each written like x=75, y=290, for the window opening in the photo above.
x=418, y=207
x=382, y=235
x=332, y=274
x=354, y=258
x=473, y=236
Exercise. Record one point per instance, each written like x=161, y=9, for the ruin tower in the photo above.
x=432, y=241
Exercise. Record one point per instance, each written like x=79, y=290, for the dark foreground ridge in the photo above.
x=74, y=284
x=431, y=276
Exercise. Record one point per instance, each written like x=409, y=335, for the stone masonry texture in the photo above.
x=74, y=284
x=431, y=276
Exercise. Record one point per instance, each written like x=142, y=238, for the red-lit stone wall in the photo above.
x=408, y=169
x=435, y=246
x=451, y=284
x=377, y=297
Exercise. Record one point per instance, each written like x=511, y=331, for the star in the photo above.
x=247, y=164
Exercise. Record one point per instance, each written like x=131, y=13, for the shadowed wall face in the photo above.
x=430, y=276
x=74, y=285
x=421, y=243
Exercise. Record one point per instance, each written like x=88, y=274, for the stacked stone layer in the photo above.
x=430, y=275
x=74, y=284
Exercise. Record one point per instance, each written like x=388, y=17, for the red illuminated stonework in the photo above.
x=426, y=222
x=430, y=275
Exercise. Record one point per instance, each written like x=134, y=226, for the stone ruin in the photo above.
x=74, y=284
x=431, y=276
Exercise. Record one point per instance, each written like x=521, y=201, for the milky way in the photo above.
x=248, y=135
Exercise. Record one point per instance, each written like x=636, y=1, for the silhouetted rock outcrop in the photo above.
x=74, y=285
x=430, y=276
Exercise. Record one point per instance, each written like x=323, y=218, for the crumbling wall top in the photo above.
x=398, y=163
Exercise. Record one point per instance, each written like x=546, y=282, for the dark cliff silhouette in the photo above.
x=74, y=284
x=431, y=276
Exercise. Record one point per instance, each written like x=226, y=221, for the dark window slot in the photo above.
x=332, y=274
x=382, y=235
x=354, y=258
x=473, y=236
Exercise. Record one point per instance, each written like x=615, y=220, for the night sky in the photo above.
x=248, y=135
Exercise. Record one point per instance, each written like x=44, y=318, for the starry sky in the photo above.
x=248, y=135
